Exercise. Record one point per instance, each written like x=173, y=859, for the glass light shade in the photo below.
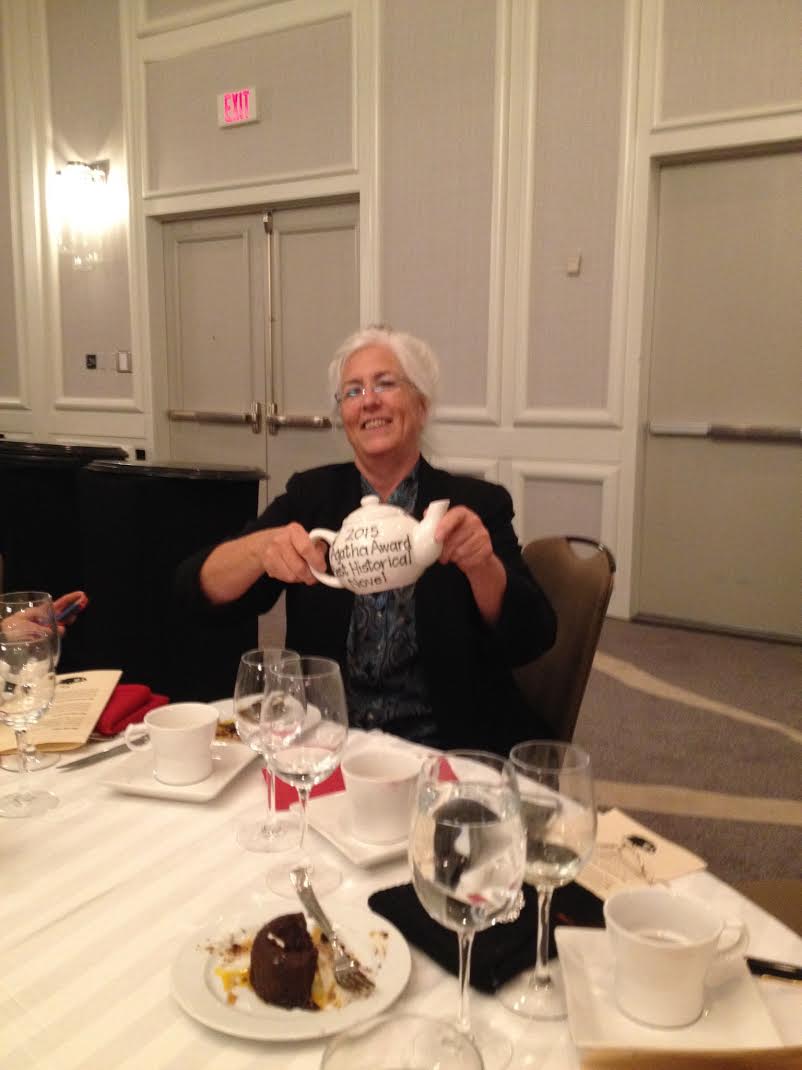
x=82, y=209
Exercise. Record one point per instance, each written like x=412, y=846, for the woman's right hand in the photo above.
x=287, y=553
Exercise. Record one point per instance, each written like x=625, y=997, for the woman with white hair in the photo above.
x=431, y=662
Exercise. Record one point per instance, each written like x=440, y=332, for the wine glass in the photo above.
x=275, y=832
x=401, y=1042
x=28, y=652
x=37, y=759
x=305, y=726
x=467, y=853
x=559, y=814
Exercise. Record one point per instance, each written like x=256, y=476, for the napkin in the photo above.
x=128, y=705
x=286, y=795
x=499, y=953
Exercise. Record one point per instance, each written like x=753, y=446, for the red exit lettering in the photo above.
x=237, y=106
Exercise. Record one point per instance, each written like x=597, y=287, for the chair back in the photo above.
x=579, y=586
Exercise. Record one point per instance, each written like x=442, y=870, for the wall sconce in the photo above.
x=82, y=211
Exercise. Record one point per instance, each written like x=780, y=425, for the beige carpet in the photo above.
x=700, y=736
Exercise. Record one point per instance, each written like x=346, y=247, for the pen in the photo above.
x=778, y=971
x=69, y=610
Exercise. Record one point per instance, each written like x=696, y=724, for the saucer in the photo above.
x=134, y=775
x=734, y=1016
x=328, y=815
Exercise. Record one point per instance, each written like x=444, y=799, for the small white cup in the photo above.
x=664, y=945
x=380, y=787
x=180, y=737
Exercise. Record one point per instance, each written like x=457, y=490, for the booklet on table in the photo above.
x=79, y=701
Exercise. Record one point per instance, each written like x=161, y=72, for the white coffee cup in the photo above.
x=180, y=736
x=664, y=945
x=380, y=786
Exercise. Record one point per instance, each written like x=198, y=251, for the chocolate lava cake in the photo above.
x=283, y=962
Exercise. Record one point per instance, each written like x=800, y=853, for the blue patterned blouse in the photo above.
x=385, y=681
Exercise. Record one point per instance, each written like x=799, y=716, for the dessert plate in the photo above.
x=734, y=1017
x=379, y=946
x=226, y=729
x=329, y=815
x=134, y=775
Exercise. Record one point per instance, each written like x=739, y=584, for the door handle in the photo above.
x=276, y=420
x=727, y=432
x=253, y=417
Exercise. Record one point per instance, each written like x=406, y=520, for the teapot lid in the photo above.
x=377, y=510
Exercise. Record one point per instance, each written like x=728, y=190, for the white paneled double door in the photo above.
x=255, y=305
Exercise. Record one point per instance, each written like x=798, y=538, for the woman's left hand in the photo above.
x=466, y=544
x=466, y=541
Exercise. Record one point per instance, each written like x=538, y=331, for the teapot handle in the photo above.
x=329, y=537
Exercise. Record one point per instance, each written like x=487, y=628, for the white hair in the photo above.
x=418, y=361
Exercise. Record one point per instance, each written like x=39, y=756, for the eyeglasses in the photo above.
x=353, y=392
x=625, y=861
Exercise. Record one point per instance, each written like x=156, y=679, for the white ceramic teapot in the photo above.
x=380, y=547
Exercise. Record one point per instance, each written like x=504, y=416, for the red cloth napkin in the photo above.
x=286, y=796
x=128, y=705
x=446, y=772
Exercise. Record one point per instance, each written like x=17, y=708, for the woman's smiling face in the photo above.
x=384, y=425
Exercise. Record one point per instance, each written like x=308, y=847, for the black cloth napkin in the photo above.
x=499, y=953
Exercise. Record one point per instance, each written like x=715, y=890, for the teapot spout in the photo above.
x=425, y=548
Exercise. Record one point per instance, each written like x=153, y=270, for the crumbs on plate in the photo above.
x=233, y=960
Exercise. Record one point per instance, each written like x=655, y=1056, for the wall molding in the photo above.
x=490, y=412
x=265, y=184
x=95, y=440
x=145, y=26
x=225, y=30
x=366, y=125
x=523, y=134
x=611, y=414
x=659, y=123
x=76, y=403
x=466, y=414
x=26, y=96
x=9, y=46
x=736, y=115
x=227, y=22
x=482, y=467
x=605, y=475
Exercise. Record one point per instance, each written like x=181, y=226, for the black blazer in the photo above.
x=467, y=663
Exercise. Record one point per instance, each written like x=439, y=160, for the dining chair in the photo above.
x=577, y=576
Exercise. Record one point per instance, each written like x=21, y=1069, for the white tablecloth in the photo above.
x=97, y=896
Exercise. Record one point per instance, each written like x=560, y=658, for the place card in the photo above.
x=629, y=855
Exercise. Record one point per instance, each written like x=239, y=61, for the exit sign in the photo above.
x=237, y=107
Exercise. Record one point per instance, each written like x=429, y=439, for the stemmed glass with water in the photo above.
x=28, y=654
x=37, y=759
x=559, y=814
x=304, y=726
x=467, y=853
x=273, y=832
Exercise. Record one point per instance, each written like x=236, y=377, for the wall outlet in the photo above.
x=123, y=360
x=91, y=361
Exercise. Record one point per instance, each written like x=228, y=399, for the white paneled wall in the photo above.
x=503, y=153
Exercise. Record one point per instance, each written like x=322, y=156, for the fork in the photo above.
x=347, y=971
